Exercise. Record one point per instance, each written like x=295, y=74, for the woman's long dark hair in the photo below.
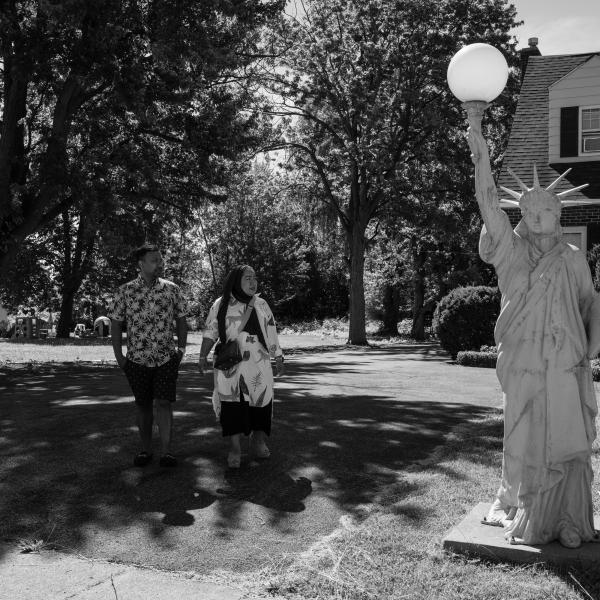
x=232, y=282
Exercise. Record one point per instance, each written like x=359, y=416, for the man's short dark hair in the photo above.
x=140, y=252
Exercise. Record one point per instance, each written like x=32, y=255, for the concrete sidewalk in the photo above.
x=50, y=575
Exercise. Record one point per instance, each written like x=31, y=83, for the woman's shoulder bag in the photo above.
x=227, y=353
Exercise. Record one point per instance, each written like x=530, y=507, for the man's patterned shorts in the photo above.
x=148, y=383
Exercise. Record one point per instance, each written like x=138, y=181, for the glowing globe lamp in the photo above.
x=477, y=72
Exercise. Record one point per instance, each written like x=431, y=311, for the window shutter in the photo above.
x=569, y=131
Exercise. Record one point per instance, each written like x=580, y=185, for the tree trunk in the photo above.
x=77, y=259
x=418, y=314
x=63, y=329
x=12, y=159
x=357, y=333
x=391, y=310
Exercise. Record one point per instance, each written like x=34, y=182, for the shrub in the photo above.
x=465, y=318
x=470, y=358
x=485, y=348
x=595, y=364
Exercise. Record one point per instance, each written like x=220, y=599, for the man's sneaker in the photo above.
x=167, y=460
x=142, y=459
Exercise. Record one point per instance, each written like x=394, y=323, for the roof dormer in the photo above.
x=574, y=115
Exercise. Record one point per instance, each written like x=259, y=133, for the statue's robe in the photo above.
x=549, y=400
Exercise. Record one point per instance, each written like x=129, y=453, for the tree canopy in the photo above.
x=362, y=89
x=127, y=121
x=136, y=99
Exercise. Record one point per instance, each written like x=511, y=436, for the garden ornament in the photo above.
x=547, y=332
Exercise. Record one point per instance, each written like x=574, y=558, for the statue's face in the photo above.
x=540, y=213
x=541, y=220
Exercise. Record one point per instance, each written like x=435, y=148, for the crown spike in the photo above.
x=572, y=190
x=556, y=181
x=511, y=192
x=536, y=181
x=516, y=178
x=511, y=202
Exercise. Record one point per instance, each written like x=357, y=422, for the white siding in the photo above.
x=580, y=87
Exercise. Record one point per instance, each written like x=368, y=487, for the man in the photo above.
x=150, y=305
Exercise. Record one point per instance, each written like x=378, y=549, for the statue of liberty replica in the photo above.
x=545, y=339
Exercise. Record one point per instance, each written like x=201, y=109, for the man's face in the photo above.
x=152, y=264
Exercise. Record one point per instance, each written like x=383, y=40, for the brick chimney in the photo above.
x=531, y=50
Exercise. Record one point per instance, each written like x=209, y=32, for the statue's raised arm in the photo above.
x=485, y=188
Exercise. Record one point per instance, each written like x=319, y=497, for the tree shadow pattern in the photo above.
x=67, y=440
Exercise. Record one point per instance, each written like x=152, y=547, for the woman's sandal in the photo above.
x=234, y=460
x=142, y=459
x=258, y=447
x=261, y=451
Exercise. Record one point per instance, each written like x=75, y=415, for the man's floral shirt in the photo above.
x=150, y=312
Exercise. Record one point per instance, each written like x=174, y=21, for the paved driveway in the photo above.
x=346, y=424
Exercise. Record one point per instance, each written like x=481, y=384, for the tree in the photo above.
x=362, y=84
x=30, y=280
x=154, y=71
x=257, y=226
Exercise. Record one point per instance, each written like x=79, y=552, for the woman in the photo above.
x=243, y=394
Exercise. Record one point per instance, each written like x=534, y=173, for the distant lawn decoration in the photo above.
x=29, y=327
x=102, y=327
x=544, y=352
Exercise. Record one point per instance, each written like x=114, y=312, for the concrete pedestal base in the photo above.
x=473, y=538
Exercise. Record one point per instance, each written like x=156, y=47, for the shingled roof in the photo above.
x=528, y=141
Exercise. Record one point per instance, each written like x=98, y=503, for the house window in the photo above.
x=577, y=236
x=590, y=130
x=569, y=131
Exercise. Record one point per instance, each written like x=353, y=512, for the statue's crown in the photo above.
x=536, y=193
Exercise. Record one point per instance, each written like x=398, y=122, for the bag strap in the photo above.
x=245, y=317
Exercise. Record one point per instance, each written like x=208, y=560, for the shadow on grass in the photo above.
x=68, y=439
x=482, y=442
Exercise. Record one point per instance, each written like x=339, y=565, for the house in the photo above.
x=557, y=127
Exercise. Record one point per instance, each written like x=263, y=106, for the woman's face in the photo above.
x=249, y=282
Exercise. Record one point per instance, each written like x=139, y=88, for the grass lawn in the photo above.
x=395, y=552
x=100, y=350
x=312, y=335
x=388, y=548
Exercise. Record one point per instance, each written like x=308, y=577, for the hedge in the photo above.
x=471, y=358
x=487, y=359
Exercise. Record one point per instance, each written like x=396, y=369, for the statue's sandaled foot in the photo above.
x=515, y=541
x=569, y=538
x=498, y=514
